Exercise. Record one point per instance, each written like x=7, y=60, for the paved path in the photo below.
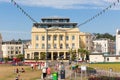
x=68, y=72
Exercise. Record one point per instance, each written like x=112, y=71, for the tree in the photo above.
x=36, y=58
x=82, y=52
x=43, y=55
x=20, y=57
x=105, y=35
x=72, y=54
x=6, y=59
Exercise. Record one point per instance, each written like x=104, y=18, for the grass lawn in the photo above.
x=7, y=73
x=115, y=67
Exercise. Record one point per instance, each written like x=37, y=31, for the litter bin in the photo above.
x=62, y=74
x=55, y=76
x=73, y=67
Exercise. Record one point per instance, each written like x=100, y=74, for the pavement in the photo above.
x=68, y=72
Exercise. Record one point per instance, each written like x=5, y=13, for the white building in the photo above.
x=12, y=48
x=101, y=45
x=118, y=42
x=1, y=55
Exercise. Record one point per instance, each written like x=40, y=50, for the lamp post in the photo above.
x=46, y=47
x=70, y=62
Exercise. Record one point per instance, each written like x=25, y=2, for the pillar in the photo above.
x=51, y=55
x=64, y=55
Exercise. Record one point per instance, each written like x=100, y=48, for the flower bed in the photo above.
x=103, y=78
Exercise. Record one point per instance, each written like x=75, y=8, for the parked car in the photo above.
x=78, y=60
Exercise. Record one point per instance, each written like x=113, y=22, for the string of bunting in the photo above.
x=23, y=11
x=100, y=13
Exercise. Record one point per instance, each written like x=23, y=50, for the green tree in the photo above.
x=43, y=55
x=72, y=54
x=20, y=57
x=83, y=52
x=36, y=58
x=105, y=35
x=6, y=59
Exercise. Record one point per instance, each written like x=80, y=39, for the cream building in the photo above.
x=1, y=54
x=56, y=36
x=118, y=42
x=11, y=49
x=99, y=57
x=103, y=45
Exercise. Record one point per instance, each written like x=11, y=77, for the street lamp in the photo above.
x=46, y=47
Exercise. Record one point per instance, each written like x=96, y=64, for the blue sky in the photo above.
x=12, y=19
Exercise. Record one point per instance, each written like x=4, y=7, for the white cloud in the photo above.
x=66, y=4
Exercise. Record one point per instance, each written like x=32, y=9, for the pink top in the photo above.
x=48, y=71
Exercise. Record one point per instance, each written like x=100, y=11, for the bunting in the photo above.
x=23, y=11
x=98, y=14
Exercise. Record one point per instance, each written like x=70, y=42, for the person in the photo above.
x=32, y=66
x=22, y=70
x=48, y=71
x=17, y=70
x=44, y=72
x=16, y=78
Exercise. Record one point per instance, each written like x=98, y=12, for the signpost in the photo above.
x=83, y=69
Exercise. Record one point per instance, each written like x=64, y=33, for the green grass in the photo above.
x=107, y=66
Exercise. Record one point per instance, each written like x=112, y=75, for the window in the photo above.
x=55, y=46
x=43, y=38
x=37, y=37
x=67, y=46
x=67, y=37
x=55, y=37
x=28, y=56
x=73, y=45
x=61, y=37
x=49, y=37
x=16, y=52
x=73, y=37
x=49, y=46
x=43, y=46
x=107, y=59
x=61, y=46
x=19, y=47
x=37, y=45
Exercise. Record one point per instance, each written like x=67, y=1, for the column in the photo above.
x=51, y=55
x=64, y=55
x=64, y=40
x=52, y=40
x=39, y=55
x=58, y=42
x=58, y=55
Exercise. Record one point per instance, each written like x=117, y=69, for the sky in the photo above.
x=13, y=20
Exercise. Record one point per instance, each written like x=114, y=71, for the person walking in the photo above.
x=17, y=70
x=44, y=73
x=32, y=66
x=48, y=72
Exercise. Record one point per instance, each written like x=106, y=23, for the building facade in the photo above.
x=104, y=45
x=12, y=49
x=118, y=42
x=55, y=37
x=1, y=54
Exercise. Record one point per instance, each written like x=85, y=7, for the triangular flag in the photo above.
x=14, y=3
x=118, y=0
x=11, y=0
x=114, y=4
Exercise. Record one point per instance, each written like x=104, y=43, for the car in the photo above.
x=78, y=60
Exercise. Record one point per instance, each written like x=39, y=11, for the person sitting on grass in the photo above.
x=22, y=70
